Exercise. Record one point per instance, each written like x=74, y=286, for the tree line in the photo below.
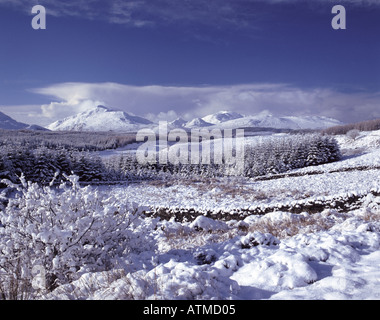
x=369, y=125
x=84, y=141
x=43, y=165
x=268, y=155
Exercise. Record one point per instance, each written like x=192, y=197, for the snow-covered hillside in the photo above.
x=101, y=119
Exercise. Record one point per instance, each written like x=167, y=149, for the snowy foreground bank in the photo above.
x=208, y=259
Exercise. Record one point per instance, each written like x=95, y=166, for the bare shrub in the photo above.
x=353, y=134
x=289, y=227
x=369, y=216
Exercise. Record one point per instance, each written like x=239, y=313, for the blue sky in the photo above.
x=168, y=58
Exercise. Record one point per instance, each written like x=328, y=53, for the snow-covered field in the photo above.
x=280, y=255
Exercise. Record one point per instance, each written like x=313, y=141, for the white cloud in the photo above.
x=60, y=110
x=162, y=116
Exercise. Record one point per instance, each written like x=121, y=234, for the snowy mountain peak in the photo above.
x=177, y=123
x=100, y=118
x=222, y=116
x=196, y=123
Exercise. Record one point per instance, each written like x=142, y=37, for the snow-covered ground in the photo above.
x=280, y=255
x=206, y=259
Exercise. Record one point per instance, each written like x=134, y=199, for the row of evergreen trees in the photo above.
x=269, y=155
x=70, y=140
x=126, y=167
x=272, y=155
x=42, y=164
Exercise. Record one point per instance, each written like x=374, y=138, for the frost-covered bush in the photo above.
x=61, y=233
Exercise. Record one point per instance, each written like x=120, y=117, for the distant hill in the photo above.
x=7, y=123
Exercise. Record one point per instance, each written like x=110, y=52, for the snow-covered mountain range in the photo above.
x=102, y=118
x=105, y=119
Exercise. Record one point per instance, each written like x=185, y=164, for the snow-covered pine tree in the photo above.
x=82, y=167
x=96, y=170
x=314, y=156
x=63, y=163
x=44, y=167
x=334, y=150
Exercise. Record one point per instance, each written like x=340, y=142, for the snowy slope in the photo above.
x=100, y=119
x=8, y=123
